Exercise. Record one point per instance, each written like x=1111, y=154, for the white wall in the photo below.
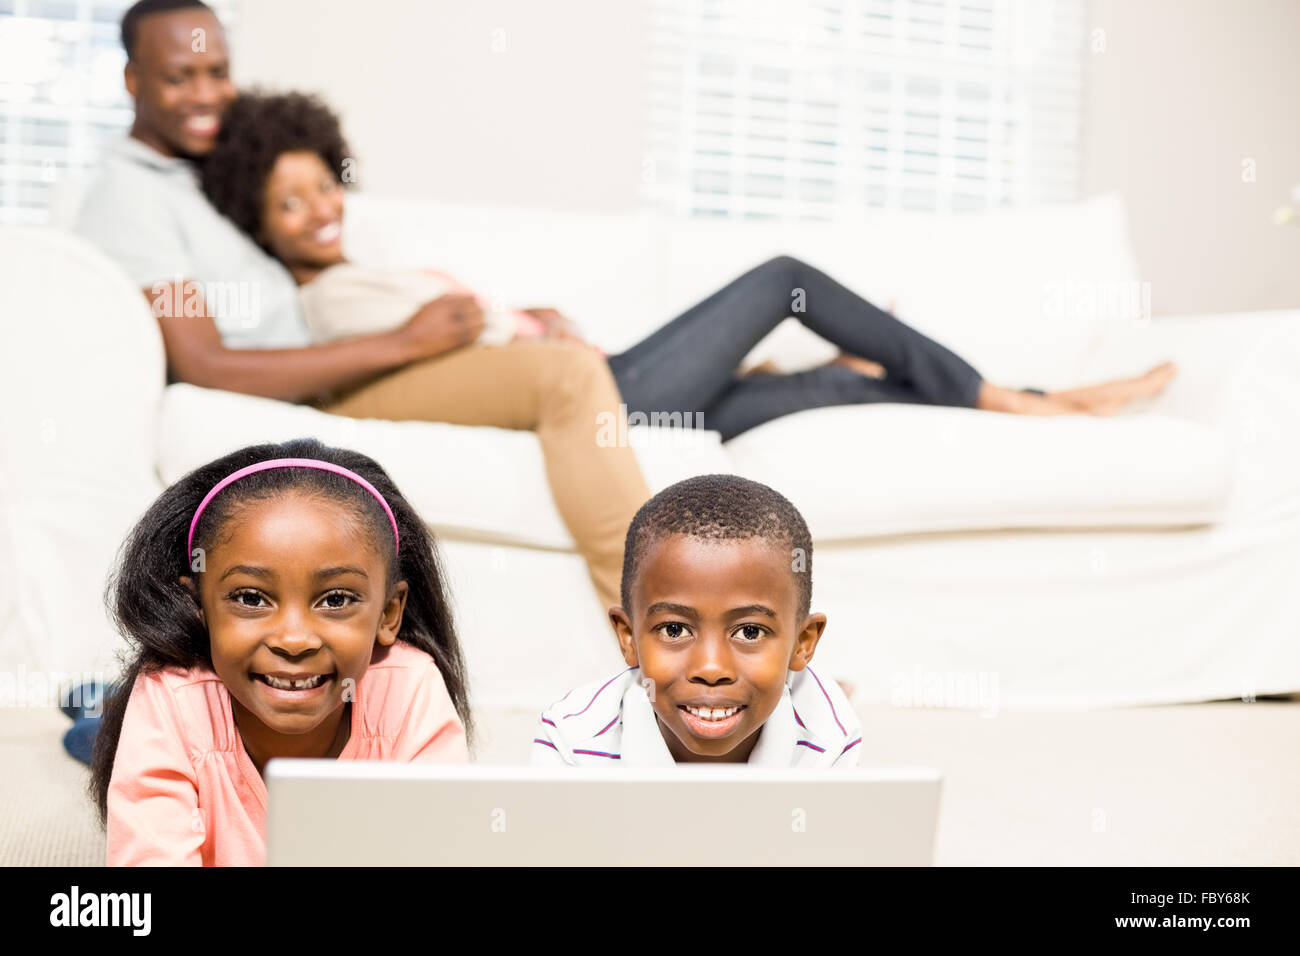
x=513, y=101
x=1184, y=92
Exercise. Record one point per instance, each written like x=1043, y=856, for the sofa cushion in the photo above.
x=859, y=471
x=496, y=491
x=600, y=269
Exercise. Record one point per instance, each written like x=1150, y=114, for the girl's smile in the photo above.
x=295, y=687
x=295, y=599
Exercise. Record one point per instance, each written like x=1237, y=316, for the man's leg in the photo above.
x=555, y=388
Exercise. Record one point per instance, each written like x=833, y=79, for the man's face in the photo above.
x=179, y=77
x=715, y=631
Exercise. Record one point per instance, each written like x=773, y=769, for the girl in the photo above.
x=283, y=601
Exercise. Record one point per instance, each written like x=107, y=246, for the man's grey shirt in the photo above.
x=148, y=213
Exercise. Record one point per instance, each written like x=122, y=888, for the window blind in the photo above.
x=826, y=109
x=61, y=95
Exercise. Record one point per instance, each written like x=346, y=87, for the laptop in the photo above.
x=369, y=813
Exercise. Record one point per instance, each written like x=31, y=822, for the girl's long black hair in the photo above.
x=160, y=619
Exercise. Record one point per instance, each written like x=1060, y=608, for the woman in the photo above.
x=277, y=173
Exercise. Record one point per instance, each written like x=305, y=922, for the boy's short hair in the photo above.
x=725, y=508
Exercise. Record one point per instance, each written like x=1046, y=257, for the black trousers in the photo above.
x=688, y=366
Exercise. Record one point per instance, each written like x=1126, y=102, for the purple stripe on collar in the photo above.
x=597, y=694
x=850, y=746
x=599, y=753
x=828, y=701
x=539, y=740
x=609, y=725
x=547, y=720
x=797, y=720
x=810, y=745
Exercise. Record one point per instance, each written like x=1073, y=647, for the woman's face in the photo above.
x=302, y=212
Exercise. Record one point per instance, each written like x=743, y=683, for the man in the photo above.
x=231, y=320
x=148, y=213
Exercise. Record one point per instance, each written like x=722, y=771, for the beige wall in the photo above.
x=1184, y=92
x=550, y=117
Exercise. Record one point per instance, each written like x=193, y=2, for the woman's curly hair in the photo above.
x=258, y=129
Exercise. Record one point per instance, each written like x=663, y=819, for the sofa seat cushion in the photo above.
x=472, y=483
x=860, y=471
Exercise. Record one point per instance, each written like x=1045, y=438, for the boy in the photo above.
x=714, y=625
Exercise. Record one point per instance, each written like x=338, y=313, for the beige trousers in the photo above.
x=553, y=387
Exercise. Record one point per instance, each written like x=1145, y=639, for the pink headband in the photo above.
x=287, y=463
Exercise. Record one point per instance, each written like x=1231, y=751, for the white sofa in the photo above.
x=963, y=558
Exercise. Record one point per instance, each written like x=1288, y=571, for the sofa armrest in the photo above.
x=1239, y=373
x=1214, y=353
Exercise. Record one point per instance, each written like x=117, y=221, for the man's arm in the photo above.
x=195, y=353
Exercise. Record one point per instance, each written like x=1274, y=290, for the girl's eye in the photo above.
x=343, y=599
x=750, y=632
x=672, y=630
x=291, y=204
x=239, y=598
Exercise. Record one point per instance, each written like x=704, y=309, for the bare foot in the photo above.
x=860, y=365
x=763, y=368
x=1109, y=398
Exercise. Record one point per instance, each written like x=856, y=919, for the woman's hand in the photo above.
x=557, y=325
x=446, y=323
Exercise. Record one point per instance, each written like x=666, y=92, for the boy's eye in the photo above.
x=672, y=630
x=751, y=632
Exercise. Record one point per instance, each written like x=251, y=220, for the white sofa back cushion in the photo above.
x=1023, y=294
x=601, y=269
x=1007, y=290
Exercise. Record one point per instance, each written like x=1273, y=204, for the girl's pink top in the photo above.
x=185, y=792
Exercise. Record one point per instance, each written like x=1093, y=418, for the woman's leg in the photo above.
x=755, y=399
x=690, y=362
x=556, y=388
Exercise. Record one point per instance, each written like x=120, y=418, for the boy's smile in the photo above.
x=715, y=634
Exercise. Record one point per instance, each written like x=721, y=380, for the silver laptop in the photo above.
x=365, y=813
